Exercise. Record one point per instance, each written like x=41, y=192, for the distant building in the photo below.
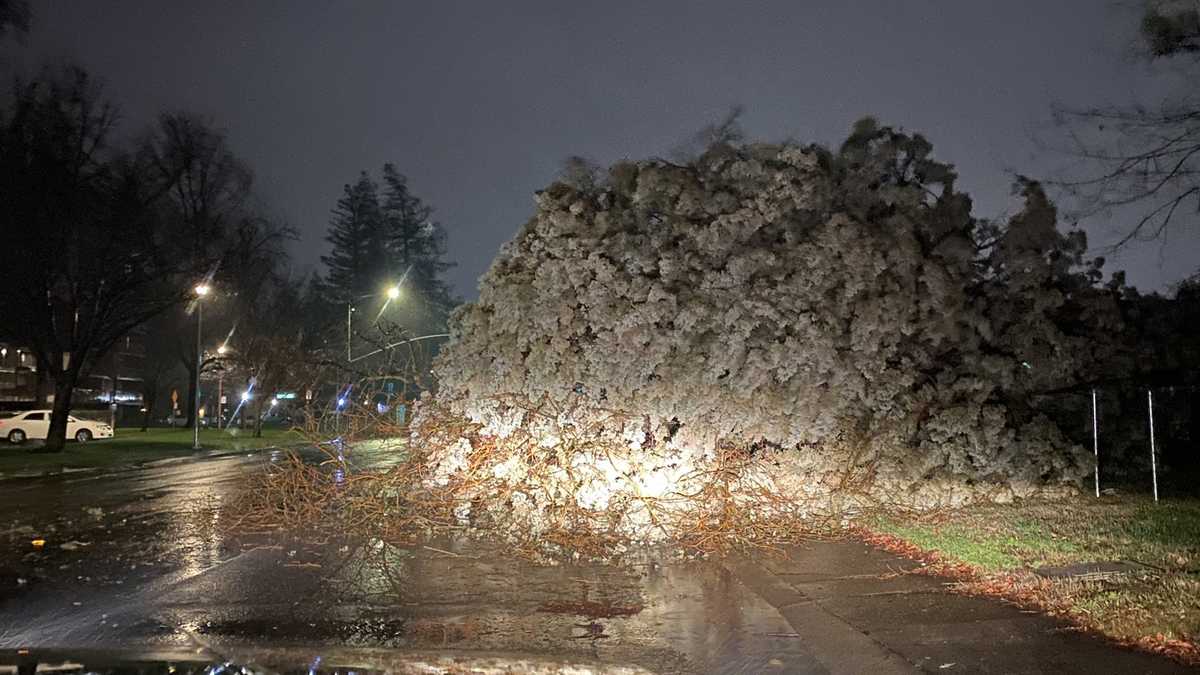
x=18, y=375
x=23, y=386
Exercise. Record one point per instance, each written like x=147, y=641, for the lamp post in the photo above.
x=201, y=291
x=349, y=312
x=221, y=386
x=392, y=292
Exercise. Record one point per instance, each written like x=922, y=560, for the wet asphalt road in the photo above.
x=133, y=561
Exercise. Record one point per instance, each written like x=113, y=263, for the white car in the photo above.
x=22, y=426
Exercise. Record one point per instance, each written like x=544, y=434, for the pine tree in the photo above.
x=358, y=261
x=416, y=247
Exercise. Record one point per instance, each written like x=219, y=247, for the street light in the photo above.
x=201, y=291
x=221, y=351
x=391, y=292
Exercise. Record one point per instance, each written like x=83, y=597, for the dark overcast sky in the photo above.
x=479, y=102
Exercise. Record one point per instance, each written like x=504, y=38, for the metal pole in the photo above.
x=116, y=378
x=199, y=363
x=349, y=309
x=1096, y=441
x=220, y=397
x=1153, y=458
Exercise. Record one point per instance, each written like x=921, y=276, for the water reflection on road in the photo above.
x=136, y=559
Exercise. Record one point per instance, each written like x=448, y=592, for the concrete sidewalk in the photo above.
x=859, y=612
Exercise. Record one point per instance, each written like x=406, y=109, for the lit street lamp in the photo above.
x=392, y=293
x=221, y=350
x=201, y=291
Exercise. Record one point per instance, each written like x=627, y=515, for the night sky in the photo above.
x=480, y=102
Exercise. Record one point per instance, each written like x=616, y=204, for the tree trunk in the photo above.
x=64, y=389
x=258, y=418
x=191, y=397
x=40, y=383
x=149, y=396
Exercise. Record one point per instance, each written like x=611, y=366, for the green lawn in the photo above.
x=1004, y=543
x=211, y=439
x=132, y=446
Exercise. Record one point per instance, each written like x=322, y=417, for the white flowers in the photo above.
x=775, y=295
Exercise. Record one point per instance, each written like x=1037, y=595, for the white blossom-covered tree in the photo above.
x=836, y=312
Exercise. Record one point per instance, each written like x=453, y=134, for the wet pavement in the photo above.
x=133, y=563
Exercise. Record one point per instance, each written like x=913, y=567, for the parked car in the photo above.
x=35, y=424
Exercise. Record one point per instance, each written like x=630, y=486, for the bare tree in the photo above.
x=96, y=257
x=270, y=349
x=210, y=205
x=728, y=131
x=1144, y=160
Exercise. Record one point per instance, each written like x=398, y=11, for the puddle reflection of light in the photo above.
x=197, y=533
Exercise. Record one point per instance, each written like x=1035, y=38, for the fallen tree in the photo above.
x=731, y=351
x=839, y=320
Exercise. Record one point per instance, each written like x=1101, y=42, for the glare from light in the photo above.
x=202, y=289
x=393, y=292
x=274, y=402
x=222, y=349
x=245, y=395
x=342, y=401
